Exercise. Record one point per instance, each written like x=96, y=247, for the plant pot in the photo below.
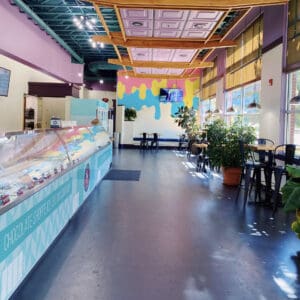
x=232, y=175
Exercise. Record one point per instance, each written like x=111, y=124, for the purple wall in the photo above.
x=274, y=20
x=20, y=39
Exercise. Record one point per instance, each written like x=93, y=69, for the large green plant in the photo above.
x=186, y=118
x=291, y=196
x=223, y=148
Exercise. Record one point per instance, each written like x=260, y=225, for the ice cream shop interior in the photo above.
x=149, y=149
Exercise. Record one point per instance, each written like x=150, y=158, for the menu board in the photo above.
x=4, y=81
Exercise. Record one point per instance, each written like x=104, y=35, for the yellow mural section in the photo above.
x=157, y=85
x=190, y=88
x=120, y=90
x=142, y=91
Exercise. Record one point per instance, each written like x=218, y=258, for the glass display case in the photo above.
x=29, y=160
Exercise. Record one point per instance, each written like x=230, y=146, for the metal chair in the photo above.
x=249, y=165
x=144, y=141
x=155, y=142
x=286, y=154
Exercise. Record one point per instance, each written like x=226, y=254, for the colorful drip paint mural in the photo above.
x=139, y=92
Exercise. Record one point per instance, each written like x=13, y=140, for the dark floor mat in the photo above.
x=127, y=175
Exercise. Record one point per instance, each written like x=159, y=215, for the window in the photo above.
x=207, y=108
x=237, y=102
x=293, y=111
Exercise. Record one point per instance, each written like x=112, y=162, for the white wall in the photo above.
x=270, y=95
x=165, y=126
x=11, y=107
x=93, y=94
x=52, y=107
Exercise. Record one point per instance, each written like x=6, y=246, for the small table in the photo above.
x=201, y=145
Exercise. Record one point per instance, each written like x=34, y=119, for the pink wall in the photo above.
x=20, y=39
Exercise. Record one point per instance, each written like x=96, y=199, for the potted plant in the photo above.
x=186, y=118
x=130, y=114
x=291, y=196
x=223, y=149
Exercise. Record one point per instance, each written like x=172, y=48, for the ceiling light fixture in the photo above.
x=295, y=100
x=137, y=24
x=84, y=22
x=126, y=76
x=198, y=25
x=101, y=81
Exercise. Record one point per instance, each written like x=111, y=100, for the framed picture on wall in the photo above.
x=4, y=81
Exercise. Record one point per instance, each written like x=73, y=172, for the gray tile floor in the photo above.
x=172, y=235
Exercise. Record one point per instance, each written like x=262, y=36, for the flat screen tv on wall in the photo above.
x=171, y=95
x=4, y=81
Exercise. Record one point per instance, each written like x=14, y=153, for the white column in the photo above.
x=271, y=90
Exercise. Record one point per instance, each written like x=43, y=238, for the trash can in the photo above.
x=116, y=139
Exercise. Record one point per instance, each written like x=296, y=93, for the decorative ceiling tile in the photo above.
x=140, y=24
x=195, y=34
x=184, y=55
x=131, y=13
x=170, y=25
x=142, y=70
x=138, y=32
x=167, y=34
x=141, y=53
x=157, y=71
x=205, y=15
x=170, y=14
x=163, y=54
x=175, y=71
x=199, y=25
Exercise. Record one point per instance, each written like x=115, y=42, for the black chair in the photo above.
x=202, y=159
x=285, y=154
x=154, y=142
x=144, y=141
x=182, y=143
x=249, y=167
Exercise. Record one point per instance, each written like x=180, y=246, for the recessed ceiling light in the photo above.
x=126, y=76
x=199, y=25
x=101, y=81
x=137, y=24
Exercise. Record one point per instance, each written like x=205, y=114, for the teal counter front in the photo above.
x=45, y=177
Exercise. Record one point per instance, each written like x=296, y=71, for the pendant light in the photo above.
x=295, y=100
x=217, y=111
x=230, y=109
x=254, y=104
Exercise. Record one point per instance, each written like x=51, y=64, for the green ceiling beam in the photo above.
x=44, y=26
